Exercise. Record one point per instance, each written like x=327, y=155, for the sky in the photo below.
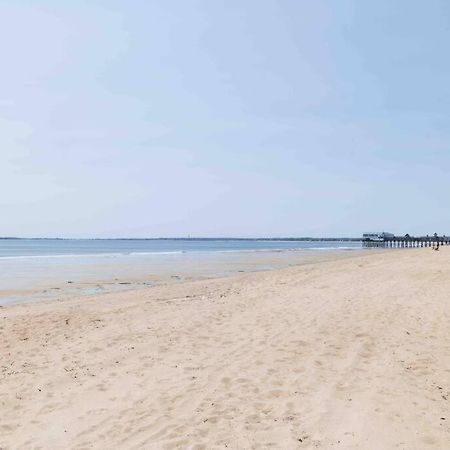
x=256, y=118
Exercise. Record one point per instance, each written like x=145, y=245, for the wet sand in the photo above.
x=37, y=278
x=351, y=354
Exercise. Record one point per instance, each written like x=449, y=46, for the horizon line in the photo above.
x=191, y=238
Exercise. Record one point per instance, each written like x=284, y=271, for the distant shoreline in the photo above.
x=278, y=239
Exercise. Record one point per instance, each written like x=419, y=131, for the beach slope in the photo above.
x=351, y=354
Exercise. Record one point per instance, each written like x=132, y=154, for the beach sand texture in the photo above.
x=351, y=354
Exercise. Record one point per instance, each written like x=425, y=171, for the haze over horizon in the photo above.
x=188, y=238
x=256, y=119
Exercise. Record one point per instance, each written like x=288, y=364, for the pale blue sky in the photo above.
x=224, y=118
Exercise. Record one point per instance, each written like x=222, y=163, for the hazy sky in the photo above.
x=224, y=118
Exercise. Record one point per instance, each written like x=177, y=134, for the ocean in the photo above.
x=53, y=268
x=46, y=248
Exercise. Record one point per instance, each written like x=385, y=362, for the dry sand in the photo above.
x=351, y=354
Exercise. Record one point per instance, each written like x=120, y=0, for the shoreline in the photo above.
x=352, y=353
x=161, y=269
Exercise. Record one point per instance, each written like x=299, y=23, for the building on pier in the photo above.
x=376, y=238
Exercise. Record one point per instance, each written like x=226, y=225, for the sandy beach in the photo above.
x=351, y=354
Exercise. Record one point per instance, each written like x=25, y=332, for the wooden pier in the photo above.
x=406, y=241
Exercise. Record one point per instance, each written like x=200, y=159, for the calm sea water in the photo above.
x=28, y=248
x=52, y=268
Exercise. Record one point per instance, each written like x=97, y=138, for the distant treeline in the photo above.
x=278, y=239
